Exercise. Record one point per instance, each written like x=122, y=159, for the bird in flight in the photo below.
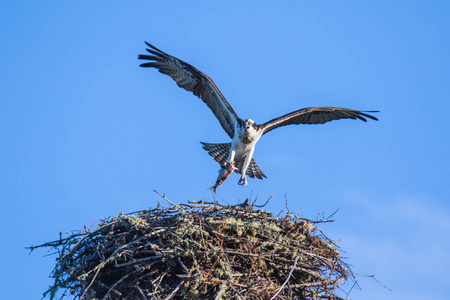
x=244, y=133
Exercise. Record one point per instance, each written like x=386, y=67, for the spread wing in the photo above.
x=316, y=115
x=192, y=80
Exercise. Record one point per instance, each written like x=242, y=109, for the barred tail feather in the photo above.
x=220, y=154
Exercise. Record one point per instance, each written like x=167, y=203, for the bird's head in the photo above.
x=248, y=131
x=249, y=123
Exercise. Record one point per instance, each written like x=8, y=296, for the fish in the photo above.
x=224, y=172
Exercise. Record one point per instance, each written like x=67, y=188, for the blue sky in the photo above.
x=85, y=133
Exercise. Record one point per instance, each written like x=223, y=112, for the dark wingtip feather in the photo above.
x=147, y=65
x=148, y=57
x=361, y=118
x=370, y=116
x=154, y=48
x=156, y=53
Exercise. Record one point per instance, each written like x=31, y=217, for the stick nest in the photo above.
x=198, y=251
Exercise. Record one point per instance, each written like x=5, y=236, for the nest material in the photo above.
x=198, y=251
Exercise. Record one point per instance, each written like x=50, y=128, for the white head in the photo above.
x=249, y=123
x=248, y=131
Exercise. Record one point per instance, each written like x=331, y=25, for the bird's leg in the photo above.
x=231, y=156
x=230, y=161
x=248, y=159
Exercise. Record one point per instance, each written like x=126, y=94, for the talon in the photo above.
x=243, y=181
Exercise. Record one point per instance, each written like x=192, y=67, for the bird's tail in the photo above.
x=220, y=154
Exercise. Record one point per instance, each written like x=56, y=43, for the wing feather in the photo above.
x=192, y=80
x=316, y=115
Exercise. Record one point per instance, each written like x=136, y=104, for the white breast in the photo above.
x=244, y=141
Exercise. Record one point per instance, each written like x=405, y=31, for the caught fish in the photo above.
x=224, y=172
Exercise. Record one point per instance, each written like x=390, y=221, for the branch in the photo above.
x=289, y=276
x=164, y=197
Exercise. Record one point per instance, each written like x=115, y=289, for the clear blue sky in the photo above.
x=85, y=133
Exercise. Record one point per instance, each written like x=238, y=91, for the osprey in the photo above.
x=238, y=155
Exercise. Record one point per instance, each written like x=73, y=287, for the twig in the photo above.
x=164, y=197
x=260, y=206
x=141, y=292
x=90, y=284
x=319, y=283
x=222, y=289
x=332, y=215
x=286, y=203
x=174, y=291
x=182, y=265
x=136, y=261
x=287, y=279
x=373, y=277
x=116, y=283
